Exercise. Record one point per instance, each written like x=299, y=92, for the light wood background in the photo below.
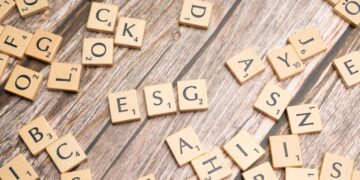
x=171, y=53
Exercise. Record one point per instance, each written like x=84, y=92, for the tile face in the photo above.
x=148, y=177
x=43, y=46
x=348, y=68
x=245, y=65
x=336, y=167
x=243, y=149
x=84, y=174
x=18, y=168
x=66, y=153
x=130, y=32
x=196, y=13
x=185, y=145
x=124, y=106
x=333, y=2
x=4, y=59
x=263, y=171
x=307, y=43
x=37, y=135
x=102, y=17
x=64, y=77
x=349, y=10
x=5, y=8
x=14, y=41
x=211, y=165
x=285, y=151
x=97, y=52
x=285, y=62
x=356, y=175
x=28, y=8
x=192, y=95
x=24, y=82
x=1, y=28
x=160, y=100
x=301, y=173
x=272, y=101
x=304, y=118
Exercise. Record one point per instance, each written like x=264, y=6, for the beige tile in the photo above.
x=84, y=174
x=29, y=8
x=336, y=167
x=244, y=150
x=98, y=52
x=130, y=32
x=102, y=17
x=349, y=10
x=304, y=118
x=185, y=145
x=332, y=2
x=24, y=82
x=192, y=95
x=148, y=177
x=245, y=65
x=6, y=6
x=285, y=151
x=64, y=77
x=124, y=106
x=14, y=41
x=160, y=100
x=263, y=171
x=1, y=27
x=348, y=68
x=301, y=173
x=272, y=101
x=196, y=13
x=66, y=153
x=356, y=175
x=18, y=168
x=4, y=59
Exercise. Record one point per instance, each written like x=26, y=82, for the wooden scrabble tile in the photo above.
x=64, y=77
x=336, y=167
x=14, y=41
x=3, y=63
x=98, y=52
x=24, y=82
x=102, y=17
x=160, y=100
x=1, y=28
x=285, y=151
x=332, y=2
x=37, y=135
x=124, y=106
x=307, y=43
x=285, y=62
x=196, y=13
x=245, y=65
x=148, y=177
x=349, y=10
x=84, y=174
x=43, y=46
x=5, y=8
x=272, y=101
x=356, y=175
x=348, y=68
x=301, y=173
x=18, y=168
x=211, y=165
x=192, y=95
x=243, y=149
x=66, y=153
x=304, y=118
x=263, y=171
x=185, y=145
x=130, y=32
x=28, y=8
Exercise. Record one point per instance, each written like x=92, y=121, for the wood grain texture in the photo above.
x=170, y=53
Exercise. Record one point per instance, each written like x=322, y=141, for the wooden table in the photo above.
x=171, y=53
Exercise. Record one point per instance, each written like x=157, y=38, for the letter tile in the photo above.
x=348, y=68
x=98, y=52
x=102, y=17
x=304, y=118
x=301, y=173
x=28, y=8
x=6, y=6
x=124, y=106
x=261, y=172
x=196, y=13
x=285, y=151
x=18, y=168
x=160, y=100
x=148, y=177
x=192, y=95
x=349, y=10
x=14, y=41
x=84, y=174
x=4, y=59
x=64, y=77
x=335, y=167
x=130, y=32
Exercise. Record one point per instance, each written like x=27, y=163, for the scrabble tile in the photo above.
x=192, y=95
x=1, y=28
x=98, y=52
x=185, y=145
x=285, y=151
x=160, y=100
x=304, y=118
x=148, y=177
x=356, y=175
x=66, y=153
x=285, y=62
x=64, y=77
x=332, y=2
x=37, y=135
x=29, y=8
x=348, y=68
x=263, y=171
x=244, y=150
x=5, y=8
x=301, y=173
x=102, y=17
x=18, y=168
x=211, y=165
x=336, y=167
x=272, y=101
x=3, y=63
x=14, y=41
x=43, y=46
x=307, y=43
x=245, y=65
x=24, y=82
x=124, y=106
x=84, y=174
x=349, y=10
x=130, y=32
x=196, y=13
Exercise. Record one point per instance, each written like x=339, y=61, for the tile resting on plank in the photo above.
x=18, y=168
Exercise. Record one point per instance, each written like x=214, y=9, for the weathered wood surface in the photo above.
x=171, y=53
